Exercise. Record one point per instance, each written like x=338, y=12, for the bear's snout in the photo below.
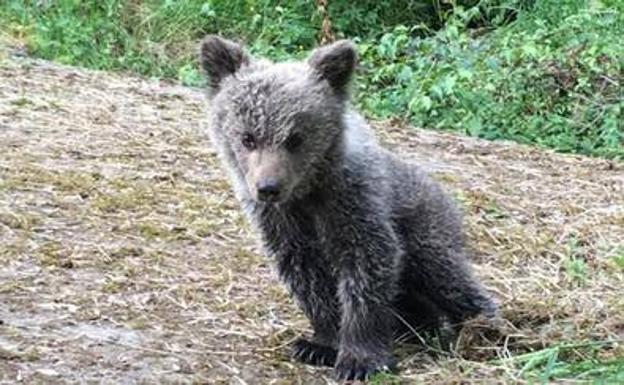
x=268, y=189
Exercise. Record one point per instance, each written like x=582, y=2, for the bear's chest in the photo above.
x=301, y=231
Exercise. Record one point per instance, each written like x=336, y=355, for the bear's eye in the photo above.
x=293, y=142
x=248, y=141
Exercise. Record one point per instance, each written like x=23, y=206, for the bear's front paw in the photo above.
x=313, y=353
x=350, y=367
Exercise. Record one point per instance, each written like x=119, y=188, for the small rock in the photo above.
x=48, y=372
x=67, y=264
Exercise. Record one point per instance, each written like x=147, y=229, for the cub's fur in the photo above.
x=364, y=241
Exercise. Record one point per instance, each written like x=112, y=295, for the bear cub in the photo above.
x=367, y=244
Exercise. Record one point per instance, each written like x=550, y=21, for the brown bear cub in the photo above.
x=365, y=241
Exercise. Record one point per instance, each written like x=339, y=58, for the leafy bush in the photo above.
x=546, y=72
x=552, y=77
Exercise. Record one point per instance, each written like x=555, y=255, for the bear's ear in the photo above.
x=220, y=58
x=335, y=63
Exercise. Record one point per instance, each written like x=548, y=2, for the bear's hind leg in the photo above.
x=447, y=280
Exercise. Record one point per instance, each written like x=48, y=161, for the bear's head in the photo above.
x=276, y=123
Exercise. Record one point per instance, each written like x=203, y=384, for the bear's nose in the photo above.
x=268, y=189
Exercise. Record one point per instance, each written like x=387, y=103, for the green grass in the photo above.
x=384, y=379
x=154, y=38
x=579, y=362
x=547, y=73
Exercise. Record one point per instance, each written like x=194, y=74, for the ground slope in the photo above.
x=124, y=258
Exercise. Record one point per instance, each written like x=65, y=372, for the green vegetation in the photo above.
x=550, y=81
x=546, y=72
x=384, y=378
x=576, y=362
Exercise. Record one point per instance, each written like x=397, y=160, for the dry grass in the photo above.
x=124, y=257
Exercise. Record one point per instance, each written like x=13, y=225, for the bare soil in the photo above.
x=124, y=258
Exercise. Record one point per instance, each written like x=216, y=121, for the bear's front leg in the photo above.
x=367, y=279
x=288, y=236
x=313, y=287
x=365, y=338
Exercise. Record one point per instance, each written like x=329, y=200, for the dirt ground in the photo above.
x=124, y=258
